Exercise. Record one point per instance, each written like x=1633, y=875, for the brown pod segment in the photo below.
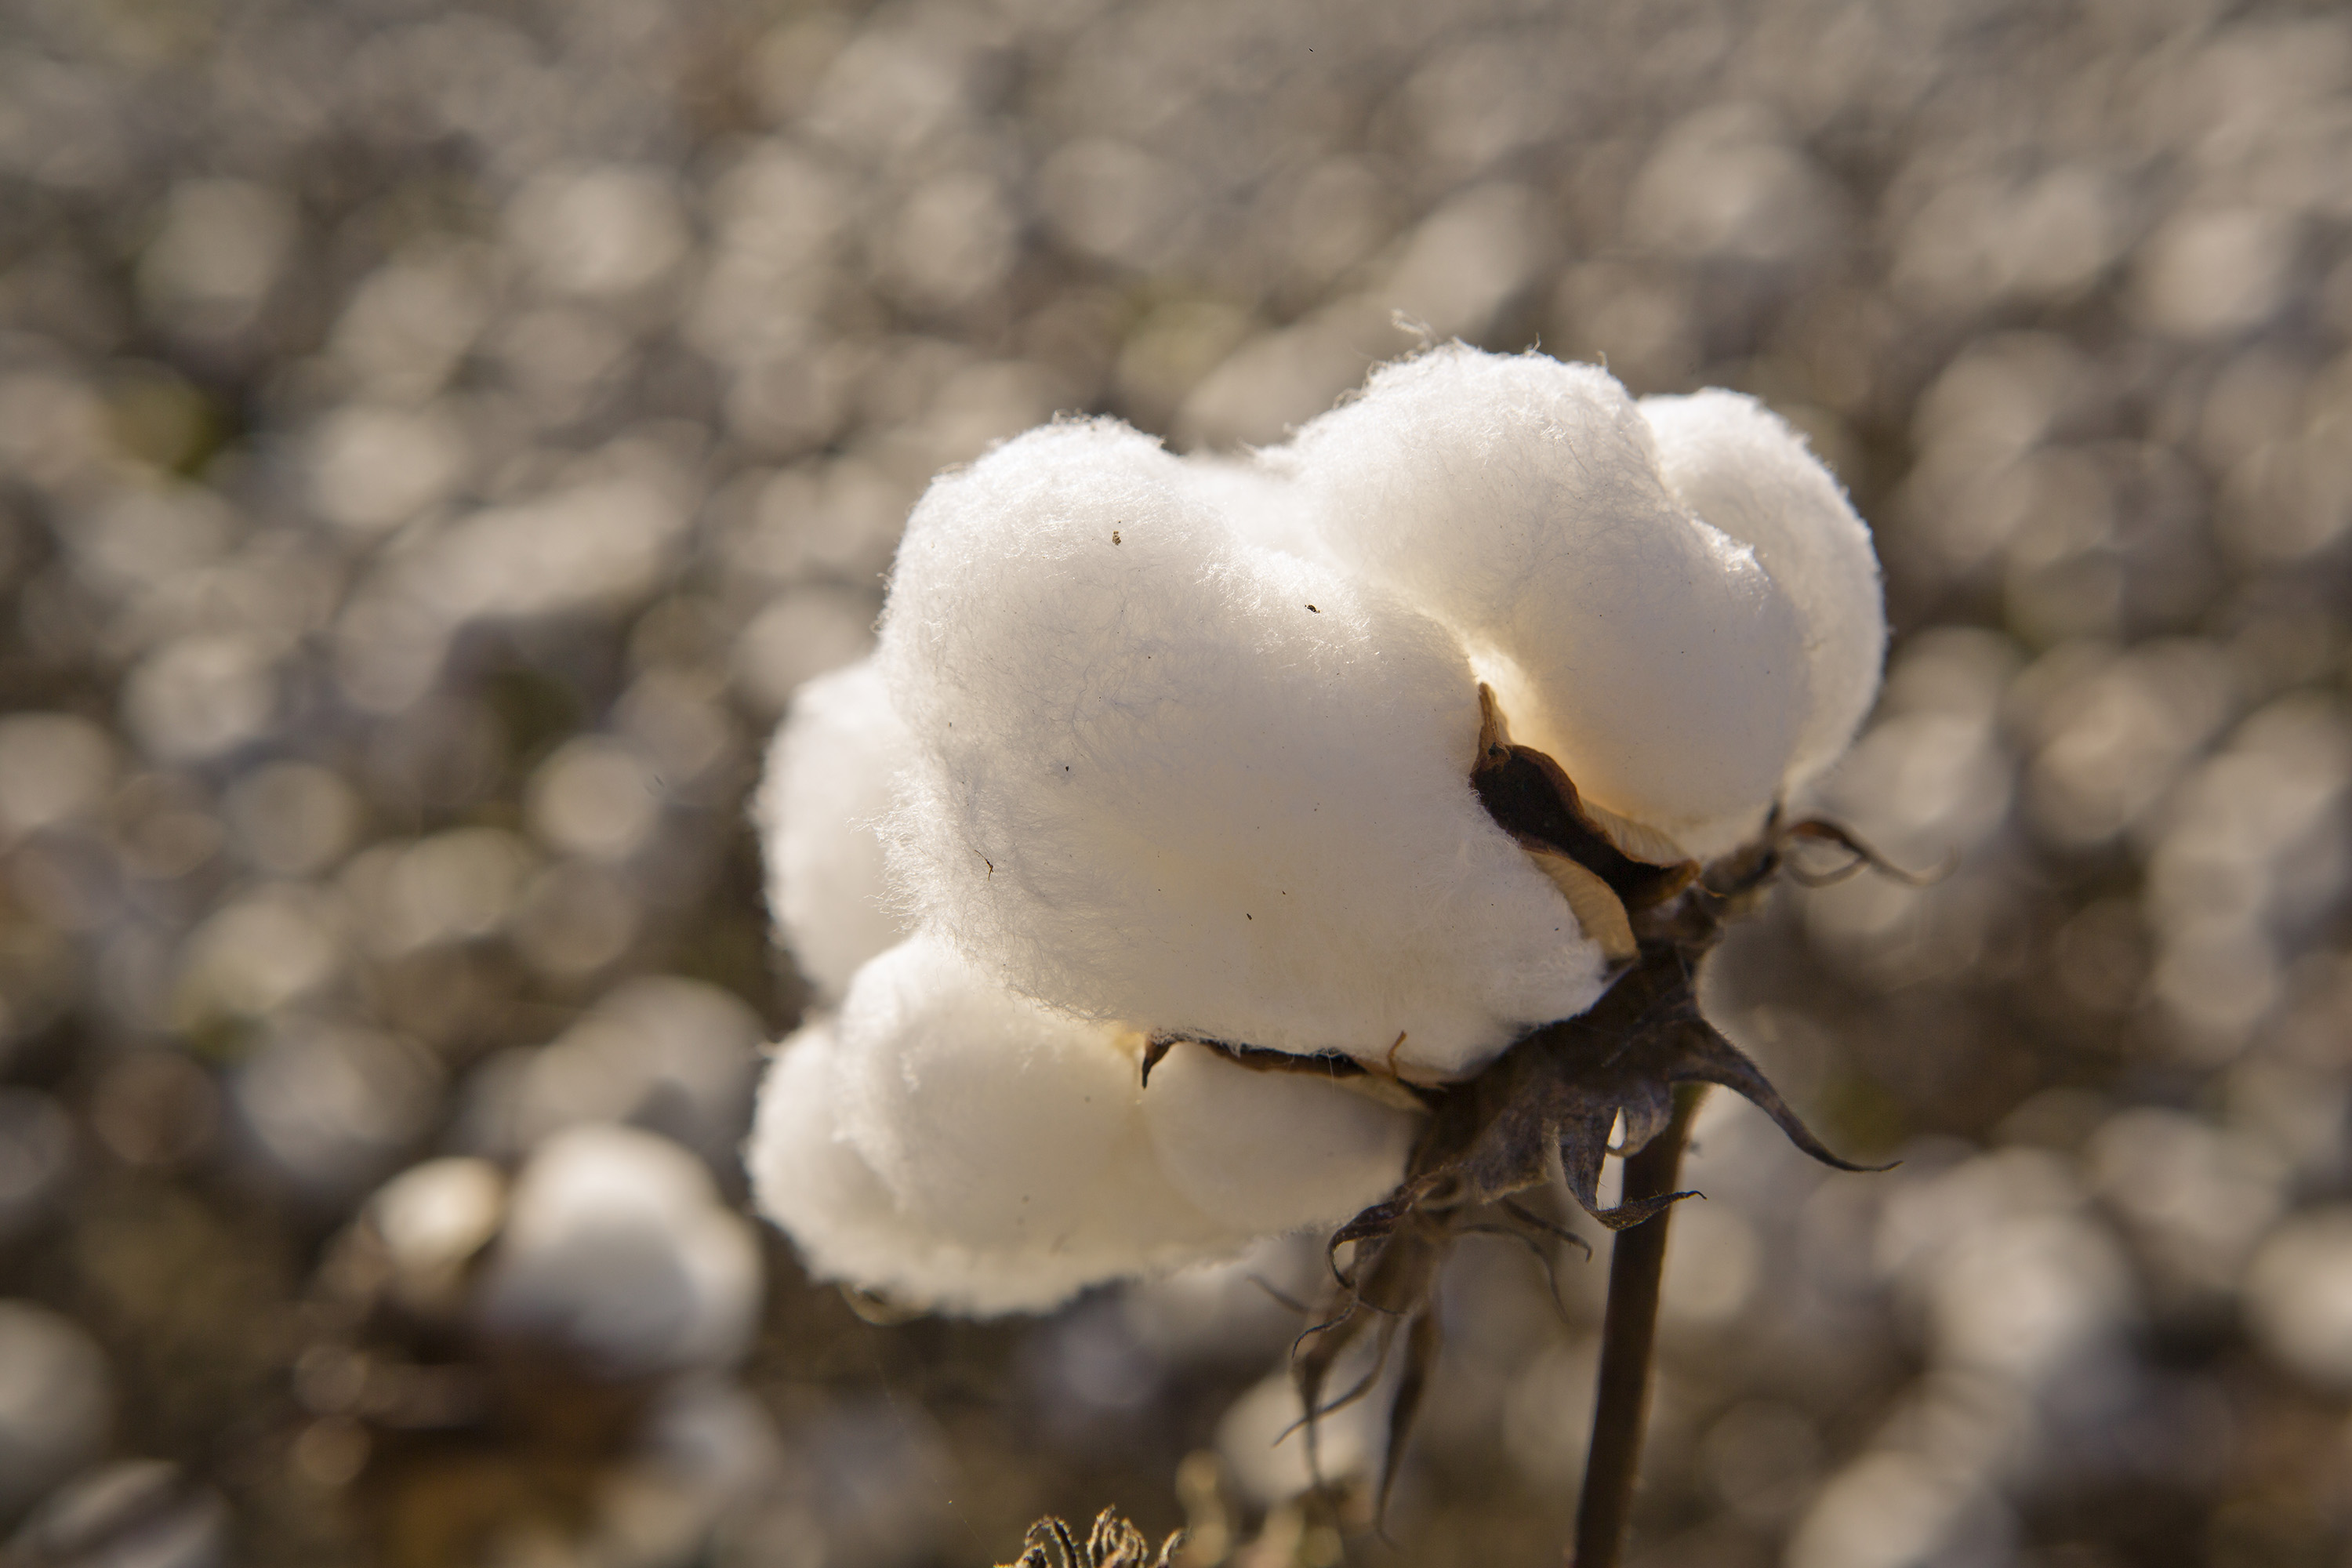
x=1532, y=798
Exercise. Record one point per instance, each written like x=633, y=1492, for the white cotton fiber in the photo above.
x=616, y=1248
x=807, y=1178
x=1737, y=465
x=1037, y=1223
x=827, y=788
x=1169, y=778
x=1519, y=500
x=988, y=1117
x=1270, y=1151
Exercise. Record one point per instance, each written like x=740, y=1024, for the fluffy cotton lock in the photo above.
x=826, y=791
x=1167, y=748
x=1168, y=776
x=1672, y=597
x=946, y=1141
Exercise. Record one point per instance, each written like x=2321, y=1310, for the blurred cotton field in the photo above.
x=436, y=442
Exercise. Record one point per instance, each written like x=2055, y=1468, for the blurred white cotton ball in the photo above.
x=432, y=1219
x=1521, y=501
x=617, y=1249
x=201, y=695
x=139, y=1513
x=670, y=1055
x=220, y=251
x=601, y=232
x=330, y=1106
x=373, y=469
x=595, y=797
x=595, y=545
x=1263, y=1445
x=820, y=810
x=53, y=766
x=2299, y=1296
x=1167, y=776
x=55, y=1401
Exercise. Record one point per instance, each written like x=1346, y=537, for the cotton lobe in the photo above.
x=827, y=789
x=947, y=1142
x=1172, y=749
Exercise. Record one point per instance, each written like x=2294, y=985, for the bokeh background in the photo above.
x=436, y=439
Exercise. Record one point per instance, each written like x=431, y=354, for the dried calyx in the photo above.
x=1542, y=1111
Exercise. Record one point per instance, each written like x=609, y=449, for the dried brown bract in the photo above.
x=1113, y=1543
x=1542, y=1112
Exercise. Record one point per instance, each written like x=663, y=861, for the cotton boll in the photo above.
x=1739, y=466
x=1519, y=500
x=1170, y=777
x=1269, y=1151
x=810, y=1179
x=616, y=1246
x=828, y=786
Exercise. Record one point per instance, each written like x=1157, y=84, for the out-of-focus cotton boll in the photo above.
x=601, y=232
x=1167, y=777
x=1268, y=1152
x=990, y=1118
x=820, y=810
x=217, y=257
x=671, y=1055
x=617, y=1250
x=53, y=766
x=432, y=1219
x=595, y=797
x=2299, y=1296
x=1521, y=501
x=331, y=1106
x=373, y=469
x=582, y=549
x=293, y=819
x=1267, y=1456
x=1741, y=468
x=273, y=946
x=55, y=1401
x=801, y=634
x=201, y=695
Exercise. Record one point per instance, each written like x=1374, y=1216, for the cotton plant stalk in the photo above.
x=1322, y=840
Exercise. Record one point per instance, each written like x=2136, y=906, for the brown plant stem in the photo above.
x=1629, y=1331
